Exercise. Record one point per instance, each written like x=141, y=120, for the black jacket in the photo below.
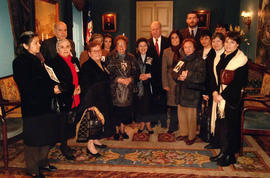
x=157, y=63
x=64, y=75
x=189, y=91
x=36, y=90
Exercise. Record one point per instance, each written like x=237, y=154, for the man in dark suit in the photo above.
x=157, y=44
x=192, y=31
x=48, y=50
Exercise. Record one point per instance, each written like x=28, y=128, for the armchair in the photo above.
x=255, y=116
x=10, y=113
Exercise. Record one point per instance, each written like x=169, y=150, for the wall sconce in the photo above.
x=246, y=18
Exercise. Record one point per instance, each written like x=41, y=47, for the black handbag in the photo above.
x=57, y=104
x=205, y=125
x=90, y=126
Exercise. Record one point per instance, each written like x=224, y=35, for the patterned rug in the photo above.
x=144, y=153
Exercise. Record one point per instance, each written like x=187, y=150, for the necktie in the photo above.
x=192, y=34
x=157, y=48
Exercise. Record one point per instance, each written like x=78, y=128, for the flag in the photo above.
x=89, y=28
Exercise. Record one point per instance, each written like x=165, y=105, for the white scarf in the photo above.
x=239, y=60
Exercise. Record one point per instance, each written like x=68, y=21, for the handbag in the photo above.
x=205, y=123
x=56, y=104
x=90, y=125
x=226, y=76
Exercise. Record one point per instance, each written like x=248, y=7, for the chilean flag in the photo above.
x=89, y=28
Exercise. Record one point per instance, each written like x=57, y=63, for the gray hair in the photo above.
x=61, y=41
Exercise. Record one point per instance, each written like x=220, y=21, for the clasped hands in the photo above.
x=217, y=97
x=145, y=76
x=183, y=75
x=124, y=81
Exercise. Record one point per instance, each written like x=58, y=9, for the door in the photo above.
x=149, y=11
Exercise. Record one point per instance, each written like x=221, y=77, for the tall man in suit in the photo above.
x=157, y=44
x=192, y=31
x=48, y=50
x=48, y=47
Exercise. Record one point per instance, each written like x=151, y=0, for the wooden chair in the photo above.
x=255, y=116
x=10, y=113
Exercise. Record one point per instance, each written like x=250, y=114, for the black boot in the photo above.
x=216, y=158
x=227, y=160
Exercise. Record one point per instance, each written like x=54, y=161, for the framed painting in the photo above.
x=46, y=15
x=204, y=19
x=109, y=22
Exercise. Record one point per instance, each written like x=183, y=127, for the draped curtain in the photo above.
x=22, y=16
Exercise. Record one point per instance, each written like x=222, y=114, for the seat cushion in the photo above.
x=257, y=120
x=14, y=127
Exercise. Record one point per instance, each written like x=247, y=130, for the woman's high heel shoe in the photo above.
x=95, y=155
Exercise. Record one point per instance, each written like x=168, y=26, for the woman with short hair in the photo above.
x=124, y=74
x=190, y=78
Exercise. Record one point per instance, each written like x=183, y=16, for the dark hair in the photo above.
x=91, y=45
x=178, y=34
x=107, y=35
x=193, y=12
x=25, y=38
x=205, y=33
x=235, y=36
x=120, y=37
x=221, y=25
x=189, y=40
x=142, y=40
x=218, y=35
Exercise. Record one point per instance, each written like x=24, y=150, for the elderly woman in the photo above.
x=190, y=78
x=143, y=104
x=227, y=98
x=170, y=58
x=124, y=74
x=95, y=83
x=211, y=62
x=66, y=69
x=84, y=55
x=36, y=90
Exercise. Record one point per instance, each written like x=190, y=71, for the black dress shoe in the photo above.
x=211, y=146
x=116, y=136
x=125, y=136
x=150, y=132
x=67, y=152
x=140, y=131
x=226, y=160
x=49, y=168
x=40, y=175
x=95, y=155
x=216, y=158
x=101, y=146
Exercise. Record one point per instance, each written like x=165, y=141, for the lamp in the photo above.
x=246, y=18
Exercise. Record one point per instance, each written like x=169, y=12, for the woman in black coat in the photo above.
x=95, y=87
x=227, y=98
x=144, y=111
x=36, y=90
x=67, y=70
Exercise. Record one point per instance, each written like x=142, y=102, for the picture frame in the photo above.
x=204, y=19
x=46, y=15
x=109, y=22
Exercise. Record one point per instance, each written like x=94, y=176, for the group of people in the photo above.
x=166, y=75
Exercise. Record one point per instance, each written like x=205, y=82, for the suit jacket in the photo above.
x=156, y=65
x=185, y=34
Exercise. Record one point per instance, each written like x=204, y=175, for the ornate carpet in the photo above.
x=158, y=154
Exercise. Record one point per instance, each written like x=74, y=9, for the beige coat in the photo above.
x=167, y=80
